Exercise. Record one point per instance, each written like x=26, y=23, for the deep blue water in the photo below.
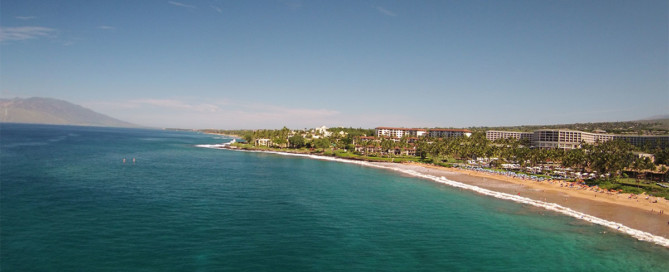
x=69, y=203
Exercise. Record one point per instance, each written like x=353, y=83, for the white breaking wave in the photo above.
x=217, y=146
x=638, y=234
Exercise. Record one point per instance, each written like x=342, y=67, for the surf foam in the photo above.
x=217, y=146
x=638, y=234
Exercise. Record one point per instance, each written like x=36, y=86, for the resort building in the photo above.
x=493, y=135
x=363, y=139
x=373, y=149
x=397, y=133
x=323, y=131
x=263, y=142
x=409, y=151
x=652, y=140
x=400, y=132
x=565, y=139
x=570, y=139
x=642, y=155
x=445, y=133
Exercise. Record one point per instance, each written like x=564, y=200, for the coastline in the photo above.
x=641, y=219
x=644, y=202
x=636, y=213
x=234, y=136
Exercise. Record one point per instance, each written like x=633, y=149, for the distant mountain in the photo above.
x=657, y=117
x=661, y=120
x=38, y=110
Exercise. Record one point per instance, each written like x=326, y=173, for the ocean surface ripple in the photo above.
x=638, y=234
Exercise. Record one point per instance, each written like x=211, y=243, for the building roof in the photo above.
x=396, y=128
x=507, y=131
x=450, y=129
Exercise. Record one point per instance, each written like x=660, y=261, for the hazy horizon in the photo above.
x=303, y=64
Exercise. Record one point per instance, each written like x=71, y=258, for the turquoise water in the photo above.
x=69, y=203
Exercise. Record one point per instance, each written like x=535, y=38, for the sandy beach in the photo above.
x=641, y=212
x=630, y=215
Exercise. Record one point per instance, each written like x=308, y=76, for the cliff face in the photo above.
x=38, y=110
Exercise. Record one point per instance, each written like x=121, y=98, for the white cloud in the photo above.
x=24, y=33
x=292, y=4
x=106, y=27
x=179, y=4
x=271, y=116
x=174, y=104
x=217, y=9
x=385, y=11
x=285, y=110
x=192, y=112
x=187, y=113
x=25, y=17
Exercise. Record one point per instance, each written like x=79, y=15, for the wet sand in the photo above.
x=639, y=213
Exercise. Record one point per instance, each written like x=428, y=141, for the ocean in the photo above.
x=69, y=202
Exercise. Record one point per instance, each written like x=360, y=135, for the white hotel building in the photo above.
x=400, y=132
x=493, y=135
x=570, y=139
x=445, y=133
x=420, y=132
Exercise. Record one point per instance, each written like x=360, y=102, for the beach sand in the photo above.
x=640, y=213
x=636, y=215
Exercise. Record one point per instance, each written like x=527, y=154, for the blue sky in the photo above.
x=269, y=64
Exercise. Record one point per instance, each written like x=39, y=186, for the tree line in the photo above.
x=611, y=157
x=654, y=127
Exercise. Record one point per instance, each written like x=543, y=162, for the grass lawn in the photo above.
x=629, y=185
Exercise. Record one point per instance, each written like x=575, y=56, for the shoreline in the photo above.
x=641, y=219
x=641, y=201
x=226, y=135
x=636, y=213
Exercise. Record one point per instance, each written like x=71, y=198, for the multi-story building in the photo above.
x=445, y=133
x=493, y=135
x=565, y=139
x=420, y=132
x=263, y=142
x=642, y=140
x=400, y=132
x=570, y=139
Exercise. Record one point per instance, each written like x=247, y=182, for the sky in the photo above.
x=303, y=64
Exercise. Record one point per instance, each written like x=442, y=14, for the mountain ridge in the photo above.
x=41, y=110
x=646, y=126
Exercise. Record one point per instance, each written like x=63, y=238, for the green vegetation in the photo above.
x=651, y=127
x=631, y=186
x=353, y=132
x=339, y=153
x=610, y=162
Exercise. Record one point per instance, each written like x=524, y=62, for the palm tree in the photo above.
x=611, y=157
x=422, y=147
x=574, y=158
